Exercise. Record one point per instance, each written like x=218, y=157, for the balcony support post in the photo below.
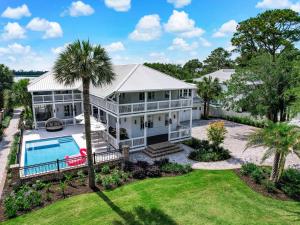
x=73, y=108
x=53, y=105
x=33, y=112
x=118, y=131
x=169, y=126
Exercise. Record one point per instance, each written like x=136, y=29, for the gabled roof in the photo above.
x=223, y=75
x=129, y=78
x=46, y=82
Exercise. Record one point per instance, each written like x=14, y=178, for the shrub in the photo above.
x=107, y=182
x=142, y=164
x=48, y=186
x=68, y=178
x=62, y=186
x=270, y=186
x=39, y=185
x=175, y=168
x=197, y=144
x=289, y=183
x=34, y=198
x=139, y=173
x=153, y=171
x=248, y=168
x=81, y=177
x=211, y=153
x=161, y=162
x=6, y=121
x=13, y=150
x=116, y=179
x=216, y=132
x=257, y=175
x=10, y=206
x=124, y=175
x=98, y=178
x=105, y=169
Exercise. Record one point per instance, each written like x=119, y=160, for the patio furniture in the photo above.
x=54, y=124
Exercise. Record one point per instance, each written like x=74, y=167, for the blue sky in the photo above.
x=33, y=32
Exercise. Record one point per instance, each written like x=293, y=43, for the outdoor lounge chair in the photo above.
x=54, y=124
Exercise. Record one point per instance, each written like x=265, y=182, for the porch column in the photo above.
x=146, y=100
x=169, y=124
x=170, y=99
x=33, y=112
x=118, y=130
x=98, y=114
x=107, y=126
x=53, y=105
x=191, y=120
x=73, y=108
x=145, y=129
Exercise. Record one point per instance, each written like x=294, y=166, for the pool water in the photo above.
x=48, y=150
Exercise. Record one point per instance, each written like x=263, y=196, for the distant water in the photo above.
x=16, y=79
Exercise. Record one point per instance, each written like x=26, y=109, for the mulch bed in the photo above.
x=259, y=188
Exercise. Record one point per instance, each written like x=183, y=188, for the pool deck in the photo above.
x=75, y=131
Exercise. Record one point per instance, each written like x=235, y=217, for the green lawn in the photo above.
x=201, y=197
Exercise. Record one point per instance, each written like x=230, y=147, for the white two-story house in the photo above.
x=142, y=106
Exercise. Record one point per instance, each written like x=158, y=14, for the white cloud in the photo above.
x=115, y=47
x=147, y=29
x=79, y=8
x=158, y=57
x=17, y=56
x=204, y=42
x=50, y=29
x=278, y=4
x=180, y=23
x=59, y=49
x=13, y=31
x=227, y=28
x=180, y=3
x=118, y=5
x=16, y=13
x=182, y=45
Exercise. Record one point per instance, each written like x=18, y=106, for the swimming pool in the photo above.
x=48, y=150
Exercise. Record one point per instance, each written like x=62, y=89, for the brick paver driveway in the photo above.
x=235, y=141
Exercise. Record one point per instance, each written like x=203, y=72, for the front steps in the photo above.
x=98, y=144
x=162, y=149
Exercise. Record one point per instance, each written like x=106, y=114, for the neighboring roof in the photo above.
x=223, y=75
x=46, y=82
x=129, y=78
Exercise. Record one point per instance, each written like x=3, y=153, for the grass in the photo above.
x=201, y=197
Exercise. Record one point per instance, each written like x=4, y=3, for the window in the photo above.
x=150, y=122
x=142, y=124
x=185, y=92
x=151, y=95
x=67, y=110
x=142, y=96
x=166, y=119
x=190, y=93
x=167, y=94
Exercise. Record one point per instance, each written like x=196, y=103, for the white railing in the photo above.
x=179, y=134
x=42, y=98
x=133, y=142
x=152, y=106
x=66, y=122
x=63, y=97
x=100, y=102
x=110, y=140
x=37, y=99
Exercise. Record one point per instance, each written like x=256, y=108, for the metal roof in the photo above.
x=129, y=78
x=223, y=75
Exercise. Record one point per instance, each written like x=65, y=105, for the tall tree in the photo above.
x=280, y=139
x=263, y=86
x=218, y=59
x=193, y=66
x=91, y=65
x=208, y=89
x=174, y=70
x=6, y=81
x=20, y=94
x=271, y=31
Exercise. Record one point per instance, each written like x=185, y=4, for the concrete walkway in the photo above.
x=5, y=145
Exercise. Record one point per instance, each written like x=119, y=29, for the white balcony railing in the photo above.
x=179, y=134
x=38, y=99
x=152, y=106
x=133, y=142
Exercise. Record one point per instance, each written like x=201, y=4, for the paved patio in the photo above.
x=235, y=141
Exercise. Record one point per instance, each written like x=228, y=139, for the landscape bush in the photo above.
x=248, y=168
x=6, y=121
x=216, y=132
x=258, y=175
x=176, y=168
x=105, y=169
x=206, y=152
x=153, y=171
x=245, y=120
x=289, y=183
x=270, y=186
x=12, y=157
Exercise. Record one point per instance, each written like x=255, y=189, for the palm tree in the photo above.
x=280, y=139
x=90, y=64
x=208, y=89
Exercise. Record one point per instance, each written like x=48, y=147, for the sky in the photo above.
x=34, y=32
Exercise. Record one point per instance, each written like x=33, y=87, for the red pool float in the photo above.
x=78, y=159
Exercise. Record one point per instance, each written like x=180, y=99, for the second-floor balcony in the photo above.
x=54, y=97
x=140, y=107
